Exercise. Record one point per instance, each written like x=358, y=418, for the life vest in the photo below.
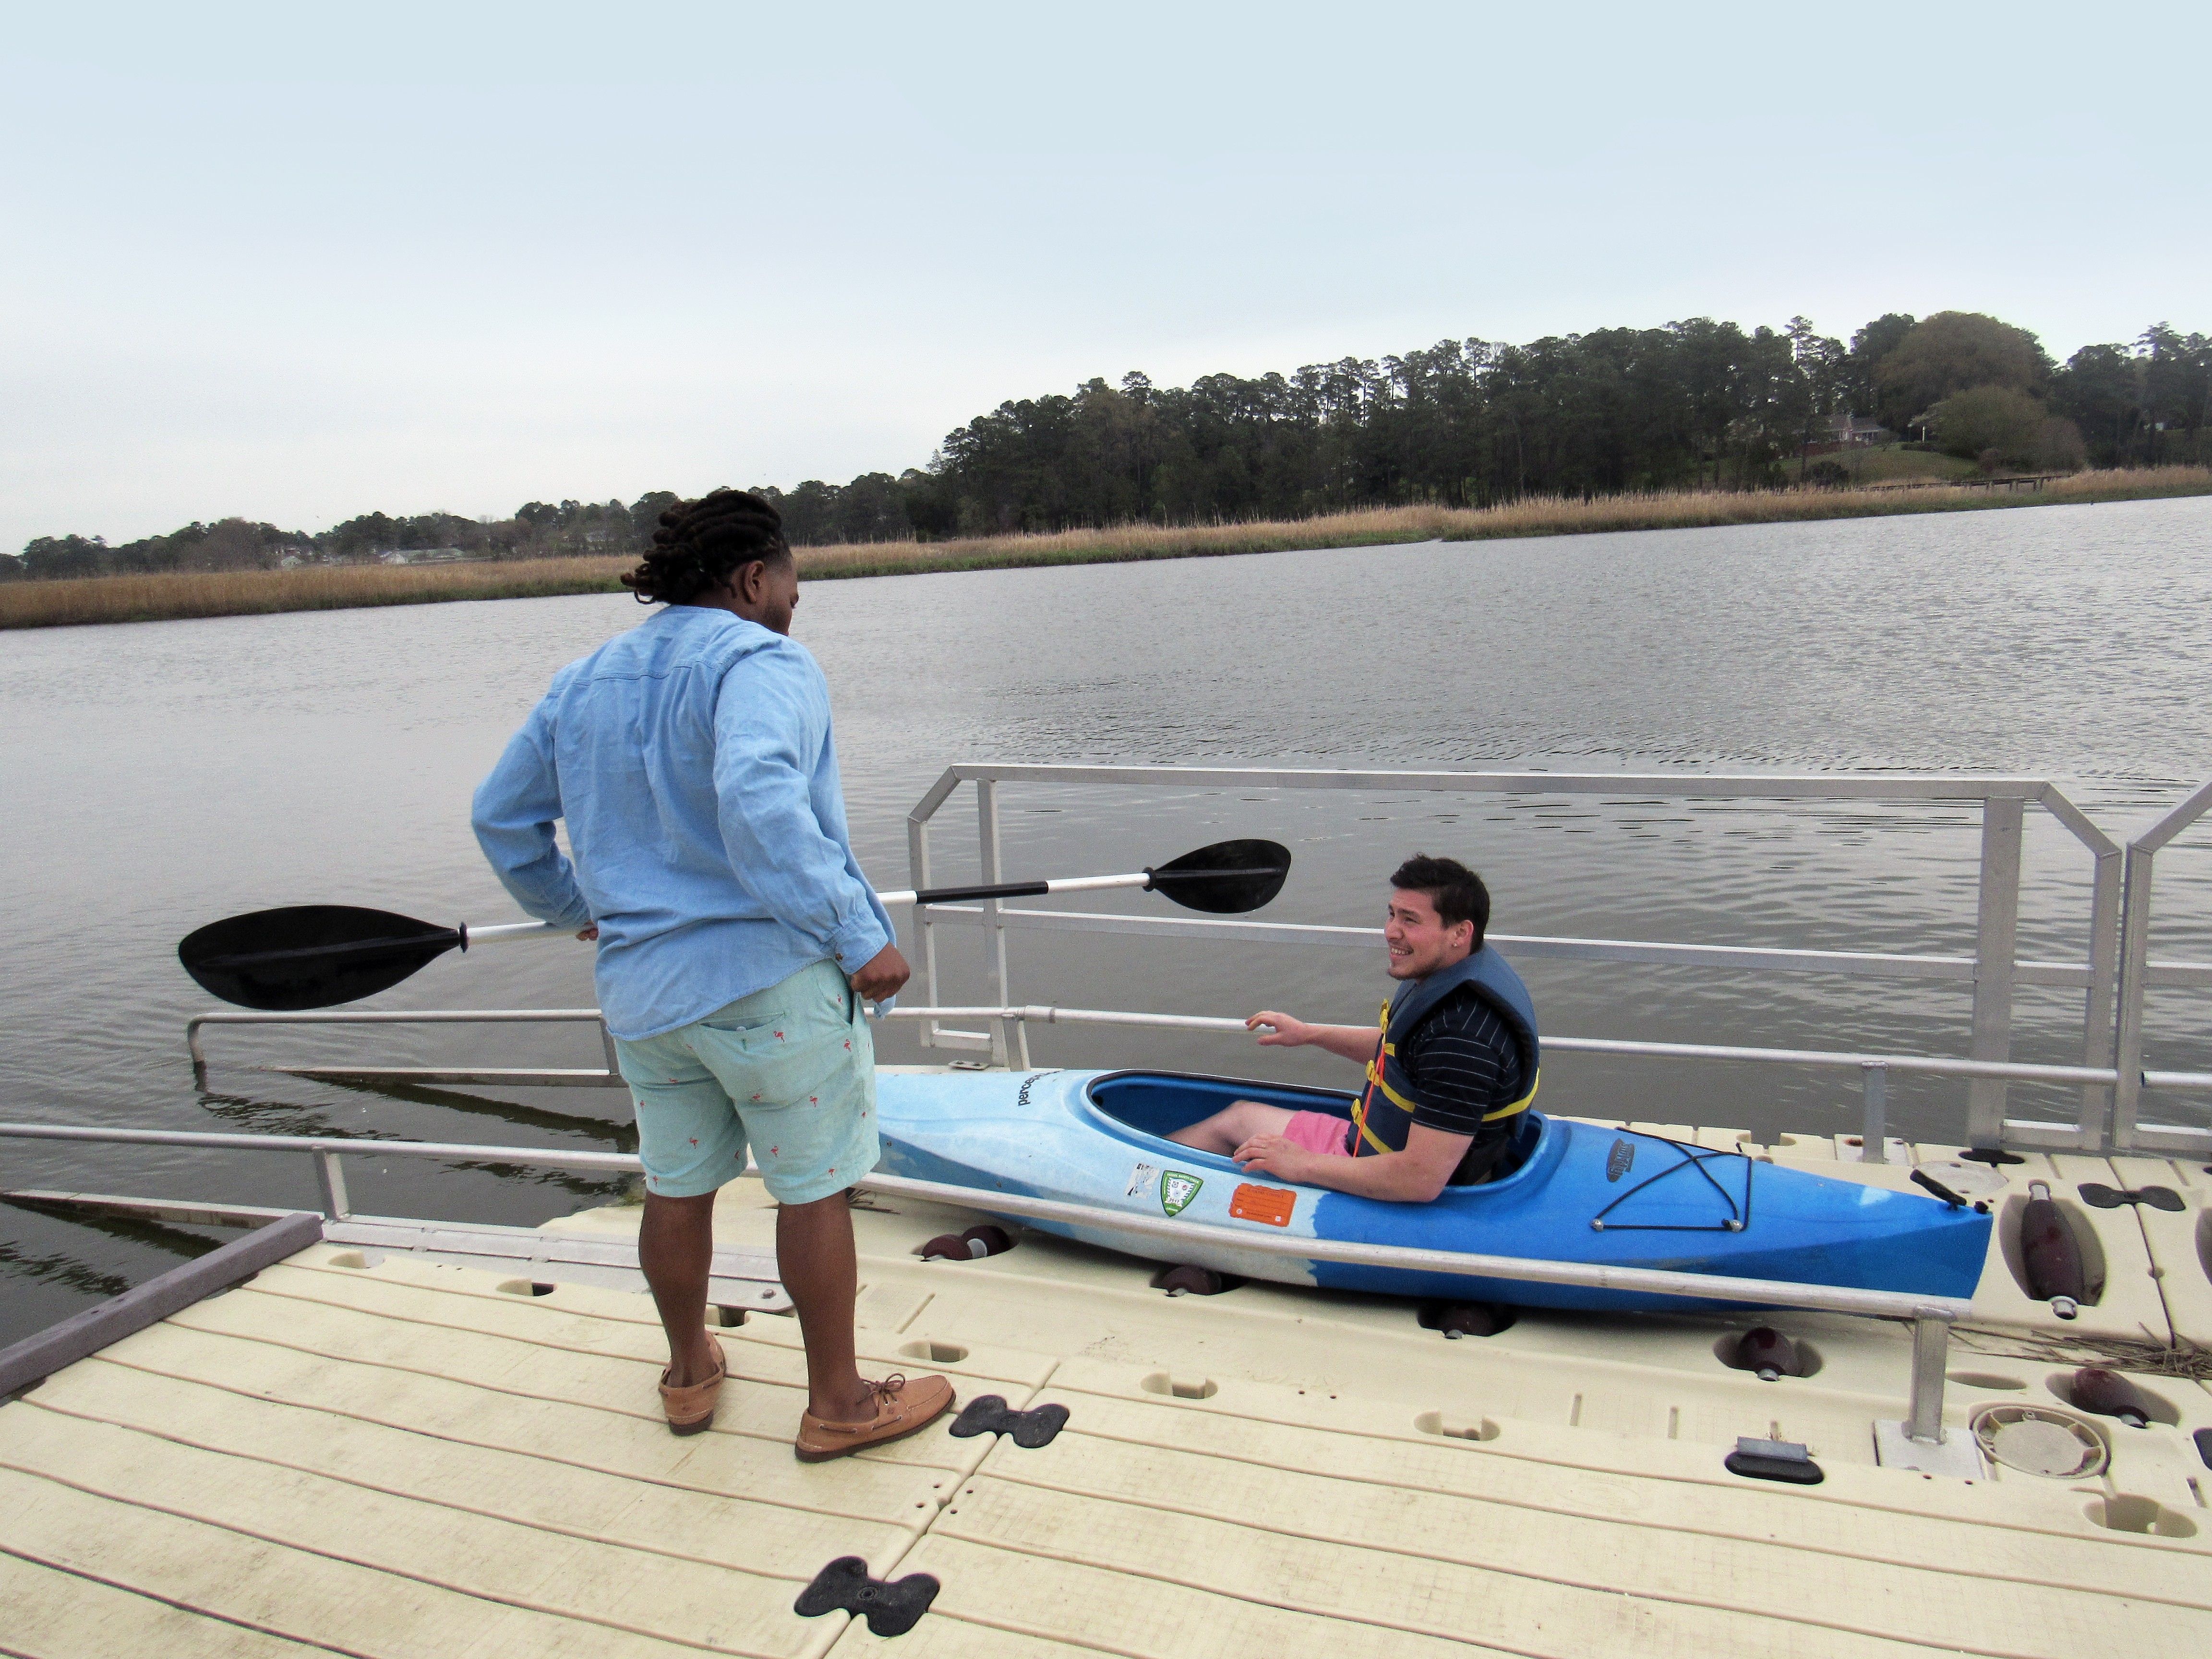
x=1385, y=1110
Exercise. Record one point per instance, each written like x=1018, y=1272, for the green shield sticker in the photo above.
x=1176, y=1190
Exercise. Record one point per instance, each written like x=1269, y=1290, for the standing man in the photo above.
x=692, y=759
x=1448, y=1076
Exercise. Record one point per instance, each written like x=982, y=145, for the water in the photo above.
x=159, y=776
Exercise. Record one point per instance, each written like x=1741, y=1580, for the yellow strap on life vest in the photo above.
x=1383, y=1046
x=1376, y=1080
x=1520, y=1105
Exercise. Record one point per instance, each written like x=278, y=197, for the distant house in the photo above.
x=429, y=555
x=1848, y=429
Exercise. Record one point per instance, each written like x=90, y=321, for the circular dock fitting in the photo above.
x=2038, y=1441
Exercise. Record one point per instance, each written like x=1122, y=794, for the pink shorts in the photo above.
x=1318, y=1132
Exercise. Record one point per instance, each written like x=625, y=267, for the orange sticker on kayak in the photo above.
x=1269, y=1204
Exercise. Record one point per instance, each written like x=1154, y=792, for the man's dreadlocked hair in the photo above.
x=701, y=545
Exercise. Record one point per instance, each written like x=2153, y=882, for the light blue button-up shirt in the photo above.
x=693, y=760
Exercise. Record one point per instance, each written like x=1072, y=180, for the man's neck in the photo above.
x=1448, y=963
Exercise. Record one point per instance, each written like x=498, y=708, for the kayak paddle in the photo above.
x=1227, y=878
x=317, y=955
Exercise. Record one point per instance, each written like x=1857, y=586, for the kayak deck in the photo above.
x=1568, y=1191
x=385, y=1454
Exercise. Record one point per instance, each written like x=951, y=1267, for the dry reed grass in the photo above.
x=146, y=598
x=246, y=592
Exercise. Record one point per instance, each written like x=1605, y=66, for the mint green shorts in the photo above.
x=791, y=1069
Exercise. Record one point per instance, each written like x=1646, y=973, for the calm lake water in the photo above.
x=161, y=776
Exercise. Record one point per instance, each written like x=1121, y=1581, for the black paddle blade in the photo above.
x=1228, y=878
x=309, y=956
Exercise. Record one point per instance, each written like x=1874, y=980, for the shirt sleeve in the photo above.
x=515, y=810
x=771, y=736
x=1464, y=1065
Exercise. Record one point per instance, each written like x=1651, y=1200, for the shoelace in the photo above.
x=883, y=1393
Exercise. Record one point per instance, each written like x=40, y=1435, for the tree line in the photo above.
x=1695, y=404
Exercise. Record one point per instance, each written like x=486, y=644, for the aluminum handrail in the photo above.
x=196, y=1049
x=1931, y=1317
x=1865, y=965
x=2135, y=976
x=1873, y=1068
x=1937, y=1065
x=1995, y=974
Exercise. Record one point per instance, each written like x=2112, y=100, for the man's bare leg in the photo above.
x=814, y=1254
x=675, y=1248
x=1232, y=1127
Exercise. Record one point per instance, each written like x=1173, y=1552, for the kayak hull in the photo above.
x=1575, y=1192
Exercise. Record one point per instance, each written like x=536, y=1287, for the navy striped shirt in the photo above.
x=1464, y=1065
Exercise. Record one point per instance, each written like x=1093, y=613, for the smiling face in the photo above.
x=1420, y=942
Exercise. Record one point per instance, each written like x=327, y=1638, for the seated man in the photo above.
x=1448, y=1076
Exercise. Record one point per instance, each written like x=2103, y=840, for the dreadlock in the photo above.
x=702, y=544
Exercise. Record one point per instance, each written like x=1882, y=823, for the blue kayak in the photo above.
x=1570, y=1192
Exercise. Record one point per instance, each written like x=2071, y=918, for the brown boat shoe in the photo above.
x=903, y=1408
x=691, y=1410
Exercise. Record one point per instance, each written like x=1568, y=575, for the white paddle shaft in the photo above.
x=1070, y=884
x=514, y=930
x=507, y=930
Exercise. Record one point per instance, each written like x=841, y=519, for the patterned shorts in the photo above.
x=792, y=1070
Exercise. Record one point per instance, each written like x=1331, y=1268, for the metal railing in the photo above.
x=513, y=1076
x=1993, y=969
x=1930, y=1316
x=2137, y=974
x=1874, y=1069
x=2113, y=975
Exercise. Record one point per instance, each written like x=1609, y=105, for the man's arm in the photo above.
x=1356, y=1044
x=1413, y=1177
x=515, y=810
x=771, y=717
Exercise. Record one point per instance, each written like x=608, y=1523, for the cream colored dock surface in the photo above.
x=387, y=1457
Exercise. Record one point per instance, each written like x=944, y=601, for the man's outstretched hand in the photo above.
x=1288, y=1033
x=882, y=974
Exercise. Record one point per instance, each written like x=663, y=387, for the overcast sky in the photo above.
x=299, y=262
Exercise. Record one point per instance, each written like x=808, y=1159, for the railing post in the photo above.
x=2134, y=960
x=198, y=1053
x=1009, y=1046
x=330, y=1173
x=924, y=925
x=2134, y=957
x=1995, y=936
x=1931, y=1352
x=1873, y=1129
x=607, y=1048
x=2098, y=1009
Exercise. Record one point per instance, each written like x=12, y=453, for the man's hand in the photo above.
x=588, y=934
x=1288, y=1033
x=882, y=974
x=1277, y=1156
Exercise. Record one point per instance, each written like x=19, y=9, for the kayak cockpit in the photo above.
x=1156, y=1103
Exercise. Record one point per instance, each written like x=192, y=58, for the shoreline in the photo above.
x=179, y=596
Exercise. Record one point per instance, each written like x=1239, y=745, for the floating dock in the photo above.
x=414, y=1439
